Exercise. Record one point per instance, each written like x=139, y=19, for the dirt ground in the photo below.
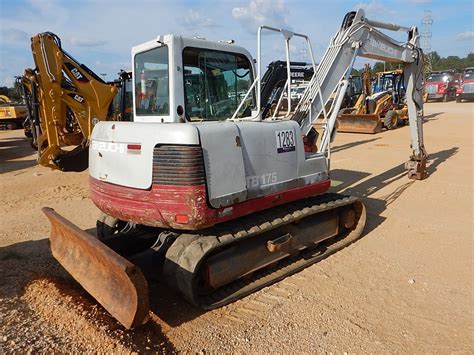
x=406, y=286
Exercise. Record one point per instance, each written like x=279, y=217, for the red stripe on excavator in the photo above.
x=161, y=205
x=134, y=146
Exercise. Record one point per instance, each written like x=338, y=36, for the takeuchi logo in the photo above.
x=109, y=147
x=381, y=46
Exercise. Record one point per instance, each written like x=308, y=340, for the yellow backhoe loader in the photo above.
x=383, y=108
x=64, y=99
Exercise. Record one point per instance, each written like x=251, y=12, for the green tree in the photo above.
x=469, y=61
x=437, y=63
x=434, y=57
x=12, y=92
x=355, y=72
x=379, y=67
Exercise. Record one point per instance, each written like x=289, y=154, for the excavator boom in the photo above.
x=359, y=36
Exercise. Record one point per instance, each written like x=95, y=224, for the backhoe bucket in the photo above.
x=365, y=123
x=117, y=284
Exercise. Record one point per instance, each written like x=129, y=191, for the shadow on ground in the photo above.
x=366, y=188
x=12, y=149
x=432, y=117
x=349, y=145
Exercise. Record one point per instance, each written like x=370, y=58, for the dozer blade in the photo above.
x=117, y=284
x=366, y=123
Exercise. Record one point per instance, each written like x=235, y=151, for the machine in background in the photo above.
x=442, y=85
x=64, y=100
x=382, y=105
x=465, y=90
x=12, y=114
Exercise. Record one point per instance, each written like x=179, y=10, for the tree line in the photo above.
x=13, y=93
x=437, y=63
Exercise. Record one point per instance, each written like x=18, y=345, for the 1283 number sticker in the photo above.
x=285, y=141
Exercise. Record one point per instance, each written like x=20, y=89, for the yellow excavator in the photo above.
x=12, y=114
x=64, y=100
x=382, y=106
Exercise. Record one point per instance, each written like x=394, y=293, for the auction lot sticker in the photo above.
x=285, y=141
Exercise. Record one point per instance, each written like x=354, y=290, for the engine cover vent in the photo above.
x=178, y=165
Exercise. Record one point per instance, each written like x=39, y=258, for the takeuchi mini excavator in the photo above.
x=204, y=195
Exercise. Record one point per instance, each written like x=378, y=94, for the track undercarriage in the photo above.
x=210, y=267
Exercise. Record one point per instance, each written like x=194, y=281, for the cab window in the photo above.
x=215, y=83
x=152, y=82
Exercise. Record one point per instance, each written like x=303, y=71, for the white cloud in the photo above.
x=374, y=8
x=86, y=42
x=12, y=65
x=13, y=35
x=466, y=35
x=193, y=20
x=7, y=81
x=421, y=1
x=262, y=12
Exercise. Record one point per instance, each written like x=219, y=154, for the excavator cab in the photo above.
x=274, y=81
x=196, y=83
x=121, y=108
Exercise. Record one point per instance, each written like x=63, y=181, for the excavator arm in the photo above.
x=359, y=36
x=65, y=100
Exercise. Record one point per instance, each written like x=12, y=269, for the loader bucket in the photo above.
x=365, y=123
x=117, y=284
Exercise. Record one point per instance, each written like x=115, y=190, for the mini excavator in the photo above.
x=202, y=193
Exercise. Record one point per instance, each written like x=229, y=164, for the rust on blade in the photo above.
x=117, y=284
x=366, y=123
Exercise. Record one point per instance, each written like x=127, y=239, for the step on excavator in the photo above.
x=203, y=194
x=64, y=98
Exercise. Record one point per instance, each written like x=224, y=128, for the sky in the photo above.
x=101, y=33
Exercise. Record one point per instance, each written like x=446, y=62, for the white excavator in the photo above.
x=203, y=194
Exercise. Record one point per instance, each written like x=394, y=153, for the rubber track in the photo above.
x=186, y=255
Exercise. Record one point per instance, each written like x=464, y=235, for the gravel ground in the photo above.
x=406, y=286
